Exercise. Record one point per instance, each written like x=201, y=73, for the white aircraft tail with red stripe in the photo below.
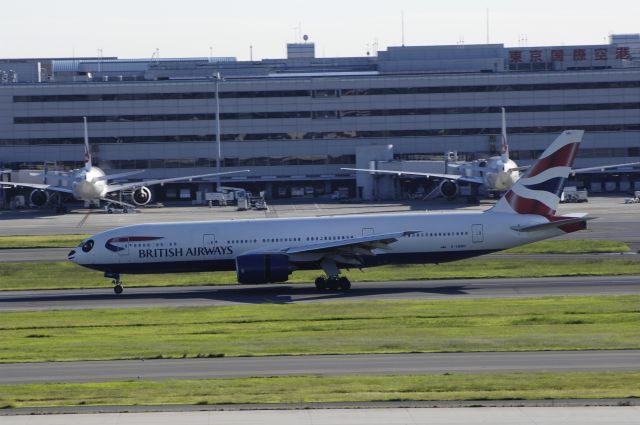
x=538, y=191
x=87, y=151
x=504, y=144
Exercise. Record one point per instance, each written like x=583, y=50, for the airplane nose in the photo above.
x=72, y=255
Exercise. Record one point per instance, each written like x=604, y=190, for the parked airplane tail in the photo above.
x=504, y=144
x=87, y=151
x=538, y=191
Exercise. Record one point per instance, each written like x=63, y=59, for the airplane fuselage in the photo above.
x=214, y=245
x=500, y=174
x=86, y=185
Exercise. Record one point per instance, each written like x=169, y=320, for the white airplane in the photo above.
x=268, y=251
x=496, y=174
x=90, y=183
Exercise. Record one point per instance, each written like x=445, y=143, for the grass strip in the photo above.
x=553, y=323
x=41, y=241
x=66, y=275
x=569, y=246
x=309, y=389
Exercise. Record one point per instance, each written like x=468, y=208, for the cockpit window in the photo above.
x=88, y=245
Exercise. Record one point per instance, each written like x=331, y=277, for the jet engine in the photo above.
x=448, y=189
x=262, y=268
x=38, y=197
x=141, y=196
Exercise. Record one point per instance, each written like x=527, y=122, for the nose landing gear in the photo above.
x=117, y=283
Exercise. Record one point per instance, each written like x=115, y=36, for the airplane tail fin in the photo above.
x=87, y=151
x=538, y=191
x=504, y=144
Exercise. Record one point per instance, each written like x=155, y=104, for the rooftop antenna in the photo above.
x=297, y=33
x=402, y=19
x=251, y=53
x=210, y=54
x=487, y=25
x=100, y=55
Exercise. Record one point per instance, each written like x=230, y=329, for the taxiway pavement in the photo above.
x=594, y=415
x=325, y=365
x=199, y=296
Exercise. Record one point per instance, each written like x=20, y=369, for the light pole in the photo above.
x=217, y=80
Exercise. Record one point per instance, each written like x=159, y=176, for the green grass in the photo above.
x=38, y=241
x=66, y=275
x=309, y=389
x=554, y=323
x=571, y=246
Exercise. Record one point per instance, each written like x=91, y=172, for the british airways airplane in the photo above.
x=268, y=251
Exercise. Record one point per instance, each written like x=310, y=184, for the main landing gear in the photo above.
x=333, y=281
x=117, y=283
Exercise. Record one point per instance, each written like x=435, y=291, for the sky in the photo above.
x=200, y=28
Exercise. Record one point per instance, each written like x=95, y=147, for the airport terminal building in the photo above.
x=294, y=122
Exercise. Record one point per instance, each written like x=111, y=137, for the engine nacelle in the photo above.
x=262, y=268
x=141, y=196
x=448, y=189
x=38, y=197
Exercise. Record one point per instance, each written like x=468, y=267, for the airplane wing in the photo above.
x=119, y=175
x=347, y=251
x=369, y=243
x=586, y=170
x=136, y=185
x=54, y=176
x=455, y=177
x=602, y=167
x=38, y=186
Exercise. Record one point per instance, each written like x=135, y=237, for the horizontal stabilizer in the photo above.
x=558, y=222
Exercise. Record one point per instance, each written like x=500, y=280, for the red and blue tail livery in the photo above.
x=538, y=192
